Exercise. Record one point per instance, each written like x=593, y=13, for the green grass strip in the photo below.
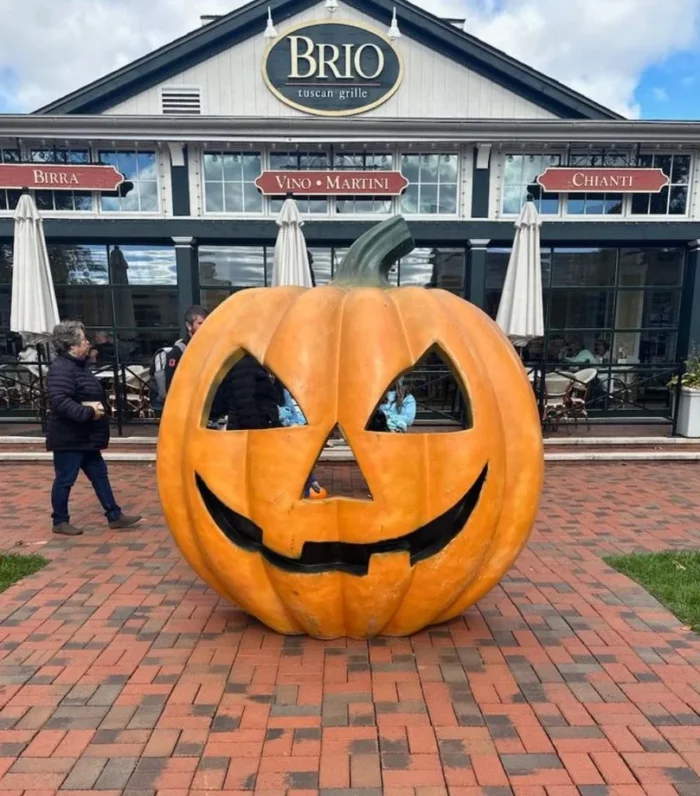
x=14, y=567
x=673, y=577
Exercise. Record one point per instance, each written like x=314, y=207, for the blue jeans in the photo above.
x=307, y=486
x=67, y=465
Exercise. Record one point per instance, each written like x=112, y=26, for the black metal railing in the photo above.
x=439, y=399
x=566, y=393
x=24, y=394
x=614, y=392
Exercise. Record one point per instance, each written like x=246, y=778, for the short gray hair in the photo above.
x=66, y=335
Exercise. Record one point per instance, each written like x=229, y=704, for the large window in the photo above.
x=300, y=161
x=433, y=267
x=9, y=198
x=62, y=200
x=672, y=200
x=621, y=305
x=597, y=204
x=125, y=295
x=229, y=182
x=520, y=180
x=141, y=169
x=5, y=263
x=433, y=183
x=363, y=161
x=5, y=279
x=224, y=270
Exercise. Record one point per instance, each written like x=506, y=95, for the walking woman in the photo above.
x=78, y=429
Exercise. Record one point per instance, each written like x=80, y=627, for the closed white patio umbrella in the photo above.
x=291, y=265
x=520, y=312
x=34, y=311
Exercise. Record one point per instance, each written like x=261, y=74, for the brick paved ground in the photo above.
x=119, y=672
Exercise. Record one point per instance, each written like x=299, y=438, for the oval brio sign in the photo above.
x=332, y=68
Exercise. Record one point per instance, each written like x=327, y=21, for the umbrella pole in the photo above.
x=119, y=374
x=42, y=401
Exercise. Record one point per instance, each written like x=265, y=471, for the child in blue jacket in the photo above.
x=399, y=408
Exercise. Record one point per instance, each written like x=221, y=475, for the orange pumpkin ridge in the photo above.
x=449, y=512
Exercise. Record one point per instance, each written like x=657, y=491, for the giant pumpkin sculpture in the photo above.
x=448, y=513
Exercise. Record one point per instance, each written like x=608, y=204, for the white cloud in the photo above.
x=598, y=47
x=57, y=46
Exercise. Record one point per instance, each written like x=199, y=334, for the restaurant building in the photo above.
x=359, y=109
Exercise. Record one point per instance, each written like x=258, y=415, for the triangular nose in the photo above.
x=339, y=475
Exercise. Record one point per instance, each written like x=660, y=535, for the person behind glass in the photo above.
x=194, y=318
x=579, y=354
x=399, y=408
x=602, y=350
x=78, y=429
x=104, y=346
x=249, y=397
x=556, y=348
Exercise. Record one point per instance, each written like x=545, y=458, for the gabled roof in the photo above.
x=241, y=24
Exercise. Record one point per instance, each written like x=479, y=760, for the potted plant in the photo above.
x=688, y=421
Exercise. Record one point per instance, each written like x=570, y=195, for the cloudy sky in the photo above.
x=639, y=57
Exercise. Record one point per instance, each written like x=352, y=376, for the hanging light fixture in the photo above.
x=270, y=32
x=331, y=6
x=394, y=33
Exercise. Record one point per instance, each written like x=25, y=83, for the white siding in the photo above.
x=433, y=86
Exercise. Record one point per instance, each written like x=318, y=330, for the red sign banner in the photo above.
x=42, y=176
x=592, y=180
x=332, y=183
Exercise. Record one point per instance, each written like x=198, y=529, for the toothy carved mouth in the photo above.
x=347, y=557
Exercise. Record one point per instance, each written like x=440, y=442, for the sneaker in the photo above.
x=66, y=529
x=317, y=492
x=124, y=521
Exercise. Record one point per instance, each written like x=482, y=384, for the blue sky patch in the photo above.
x=671, y=90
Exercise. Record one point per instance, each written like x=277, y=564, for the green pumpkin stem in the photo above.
x=370, y=257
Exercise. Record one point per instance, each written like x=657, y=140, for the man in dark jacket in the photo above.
x=78, y=429
x=250, y=396
x=194, y=318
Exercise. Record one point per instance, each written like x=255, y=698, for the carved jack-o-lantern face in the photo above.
x=448, y=512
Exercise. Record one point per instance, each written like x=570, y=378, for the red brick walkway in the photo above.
x=120, y=672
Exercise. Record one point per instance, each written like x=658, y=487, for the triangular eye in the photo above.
x=431, y=392
x=323, y=481
x=251, y=397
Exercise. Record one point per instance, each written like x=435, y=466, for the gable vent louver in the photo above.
x=179, y=101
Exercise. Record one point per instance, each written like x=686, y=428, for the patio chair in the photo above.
x=578, y=395
x=5, y=392
x=136, y=392
x=557, y=391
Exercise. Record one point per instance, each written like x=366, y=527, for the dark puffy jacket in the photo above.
x=72, y=427
x=250, y=396
x=174, y=356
